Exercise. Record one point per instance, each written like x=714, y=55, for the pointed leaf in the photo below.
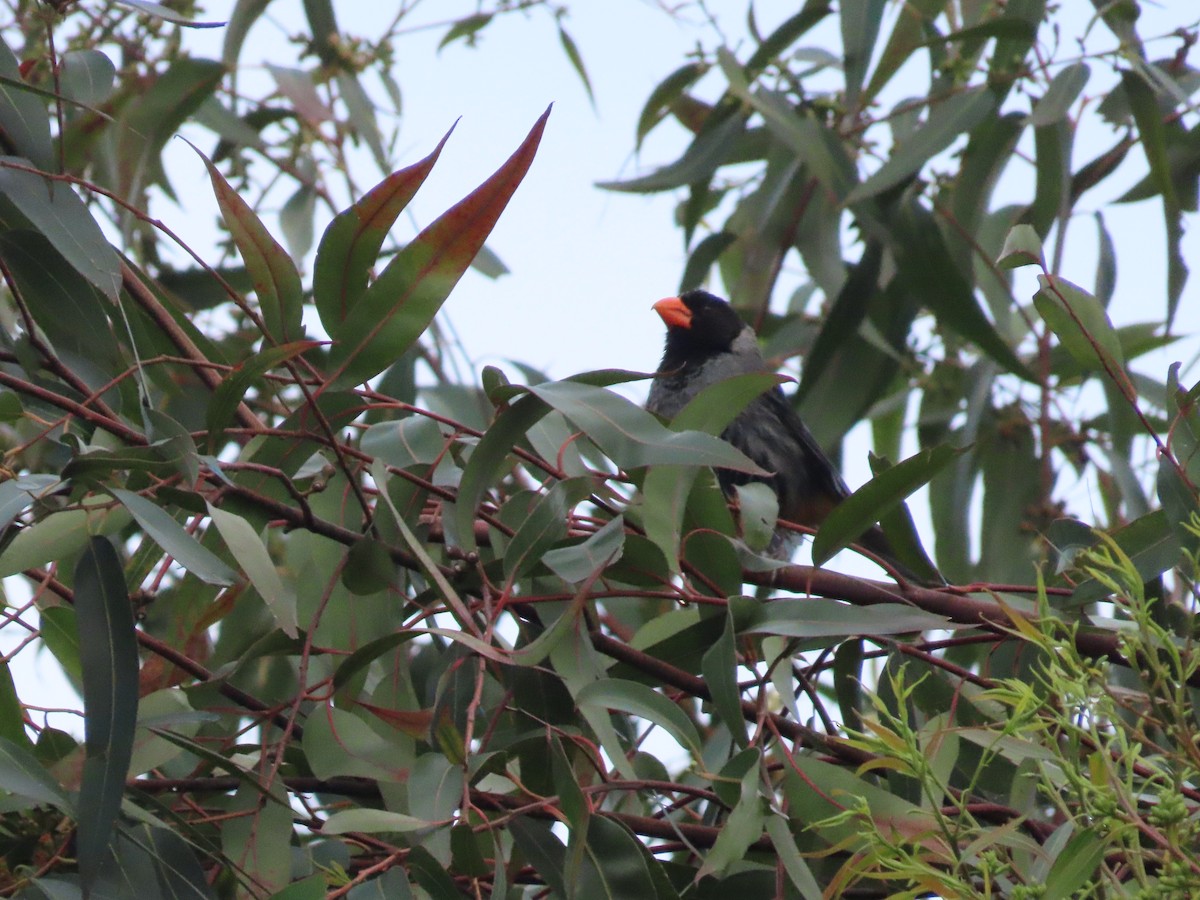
x=372, y=821
x=1075, y=866
x=22, y=775
x=1022, y=247
x=276, y=281
x=1080, y=322
x=350, y=245
x=632, y=437
x=232, y=390
x=573, y=56
x=157, y=10
x=399, y=306
x=639, y=700
x=744, y=825
x=164, y=102
x=615, y=863
x=54, y=209
x=666, y=92
x=1064, y=88
x=710, y=149
x=108, y=652
x=580, y=562
x=948, y=118
x=719, y=668
x=171, y=537
x=23, y=121
x=251, y=554
x=862, y=509
x=241, y=20
x=819, y=618
x=860, y=28
x=791, y=859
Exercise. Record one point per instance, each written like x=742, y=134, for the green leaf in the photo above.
x=541, y=522
x=1075, y=865
x=710, y=149
x=435, y=788
x=251, y=554
x=360, y=110
x=465, y=29
x=340, y=743
x=66, y=306
x=719, y=667
x=665, y=93
x=1178, y=502
x=372, y=821
x=543, y=849
x=12, y=713
x=276, y=281
x=411, y=441
x=110, y=698
x=615, y=864
x=1022, y=247
x=846, y=315
x=819, y=618
x=928, y=271
x=632, y=437
x=792, y=861
x=488, y=461
x=322, y=24
x=60, y=535
x=1149, y=542
x=1063, y=90
x=1143, y=103
x=745, y=822
x=23, y=120
x=54, y=209
x=639, y=700
x=758, y=514
x=581, y=561
x=245, y=14
x=573, y=56
x=233, y=388
x=1083, y=326
x=350, y=245
x=177, y=542
x=948, y=118
x=256, y=832
x=912, y=23
x=296, y=220
x=164, y=102
x=163, y=12
x=860, y=29
x=20, y=493
x=851, y=518
x=702, y=257
x=399, y=306
x=1106, y=263
x=22, y=775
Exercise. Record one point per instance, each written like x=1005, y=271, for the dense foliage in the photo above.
x=339, y=633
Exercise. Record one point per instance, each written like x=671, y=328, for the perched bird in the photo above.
x=707, y=342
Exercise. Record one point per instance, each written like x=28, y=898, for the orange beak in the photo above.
x=674, y=312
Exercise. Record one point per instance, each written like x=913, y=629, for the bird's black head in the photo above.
x=699, y=326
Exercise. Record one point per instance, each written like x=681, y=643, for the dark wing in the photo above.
x=802, y=476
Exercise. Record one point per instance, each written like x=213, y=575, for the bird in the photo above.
x=707, y=342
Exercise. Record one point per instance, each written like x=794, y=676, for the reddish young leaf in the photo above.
x=351, y=243
x=276, y=281
x=402, y=302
